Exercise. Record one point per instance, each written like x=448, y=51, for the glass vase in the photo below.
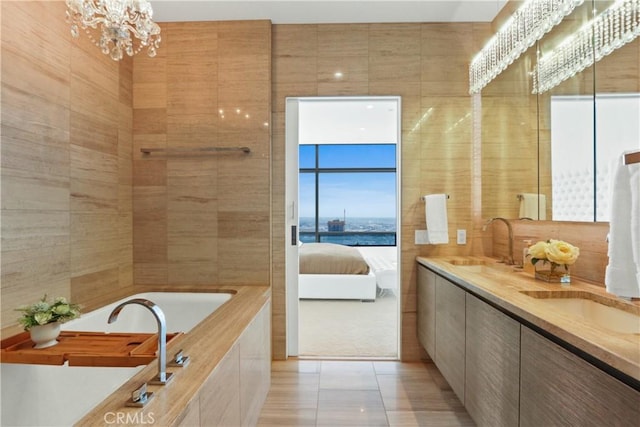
x=553, y=273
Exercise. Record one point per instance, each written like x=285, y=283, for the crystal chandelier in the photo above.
x=116, y=21
x=612, y=29
x=527, y=25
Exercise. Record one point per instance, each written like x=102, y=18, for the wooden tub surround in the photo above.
x=513, y=359
x=227, y=379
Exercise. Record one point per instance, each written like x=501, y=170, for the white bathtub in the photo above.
x=45, y=395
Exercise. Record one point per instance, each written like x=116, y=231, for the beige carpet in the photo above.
x=344, y=328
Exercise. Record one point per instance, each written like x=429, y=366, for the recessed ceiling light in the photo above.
x=369, y=107
x=338, y=74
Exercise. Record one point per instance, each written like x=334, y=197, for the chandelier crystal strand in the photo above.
x=610, y=30
x=527, y=25
x=115, y=26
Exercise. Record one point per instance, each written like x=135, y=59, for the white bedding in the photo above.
x=331, y=271
x=337, y=286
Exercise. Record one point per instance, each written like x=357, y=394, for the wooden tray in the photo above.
x=85, y=349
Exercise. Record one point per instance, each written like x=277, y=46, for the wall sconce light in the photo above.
x=613, y=28
x=115, y=21
x=527, y=25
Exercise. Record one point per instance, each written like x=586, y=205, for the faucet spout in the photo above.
x=510, y=260
x=163, y=377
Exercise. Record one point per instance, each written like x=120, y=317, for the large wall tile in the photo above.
x=78, y=123
x=203, y=217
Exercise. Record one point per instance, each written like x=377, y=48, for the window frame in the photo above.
x=317, y=171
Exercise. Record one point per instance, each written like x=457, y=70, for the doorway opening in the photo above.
x=343, y=217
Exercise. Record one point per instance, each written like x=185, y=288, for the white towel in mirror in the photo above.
x=533, y=206
x=435, y=206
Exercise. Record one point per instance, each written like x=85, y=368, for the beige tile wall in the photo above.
x=66, y=162
x=426, y=64
x=203, y=218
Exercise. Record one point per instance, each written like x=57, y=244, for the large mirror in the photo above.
x=550, y=156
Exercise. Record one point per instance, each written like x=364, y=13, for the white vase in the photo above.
x=45, y=335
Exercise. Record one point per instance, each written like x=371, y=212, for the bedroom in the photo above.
x=345, y=219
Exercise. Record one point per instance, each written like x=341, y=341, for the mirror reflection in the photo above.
x=549, y=156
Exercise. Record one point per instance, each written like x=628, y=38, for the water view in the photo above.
x=350, y=231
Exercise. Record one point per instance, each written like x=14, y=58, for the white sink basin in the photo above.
x=590, y=308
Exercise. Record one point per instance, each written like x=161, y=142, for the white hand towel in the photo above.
x=435, y=206
x=634, y=171
x=533, y=206
x=622, y=277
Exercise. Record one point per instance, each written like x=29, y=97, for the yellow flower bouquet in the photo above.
x=556, y=253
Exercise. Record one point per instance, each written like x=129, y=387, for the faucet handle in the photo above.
x=139, y=397
x=179, y=359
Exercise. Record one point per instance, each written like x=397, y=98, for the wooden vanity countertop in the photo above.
x=506, y=288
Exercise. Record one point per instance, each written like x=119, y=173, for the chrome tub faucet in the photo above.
x=163, y=377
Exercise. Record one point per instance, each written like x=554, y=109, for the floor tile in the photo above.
x=399, y=368
x=291, y=417
x=294, y=380
x=360, y=393
x=351, y=408
x=296, y=365
x=408, y=394
x=353, y=367
x=437, y=376
x=429, y=419
x=283, y=399
x=348, y=381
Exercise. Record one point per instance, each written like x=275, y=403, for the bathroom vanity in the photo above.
x=515, y=353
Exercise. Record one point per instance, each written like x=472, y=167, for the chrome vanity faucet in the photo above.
x=163, y=377
x=509, y=260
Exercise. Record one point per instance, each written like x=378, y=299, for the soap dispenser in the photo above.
x=526, y=260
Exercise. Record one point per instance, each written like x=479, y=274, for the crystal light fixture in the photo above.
x=527, y=25
x=610, y=30
x=115, y=21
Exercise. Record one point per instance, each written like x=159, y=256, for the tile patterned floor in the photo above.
x=358, y=393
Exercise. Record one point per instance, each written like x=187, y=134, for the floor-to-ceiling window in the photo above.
x=348, y=194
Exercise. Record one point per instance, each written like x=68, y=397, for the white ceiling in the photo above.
x=363, y=120
x=328, y=11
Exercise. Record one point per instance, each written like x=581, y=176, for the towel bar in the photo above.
x=423, y=197
x=193, y=150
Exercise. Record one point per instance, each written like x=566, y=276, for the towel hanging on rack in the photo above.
x=435, y=206
x=533, y=206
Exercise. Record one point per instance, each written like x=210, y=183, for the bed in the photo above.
x=330, y=271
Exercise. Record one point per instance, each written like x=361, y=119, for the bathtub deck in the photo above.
x=197, y=393
x=85, y=349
